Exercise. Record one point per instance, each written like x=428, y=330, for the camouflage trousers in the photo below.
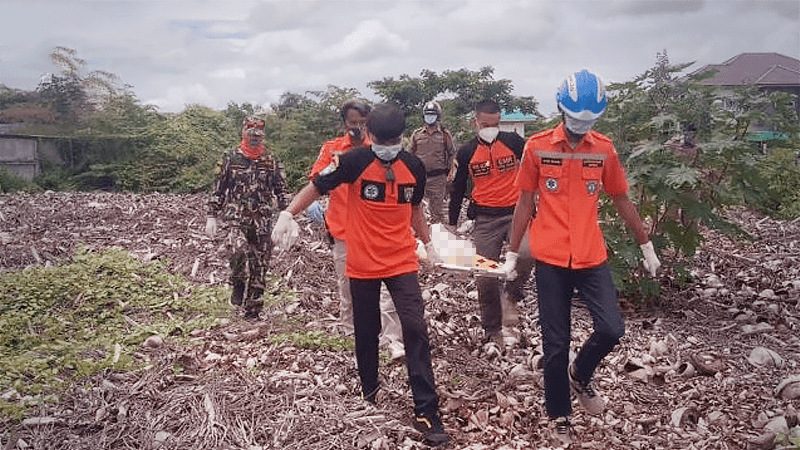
x=249, y=245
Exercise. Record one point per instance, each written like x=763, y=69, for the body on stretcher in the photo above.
x=459, y=255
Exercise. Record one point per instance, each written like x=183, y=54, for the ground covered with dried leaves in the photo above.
x=713, y=364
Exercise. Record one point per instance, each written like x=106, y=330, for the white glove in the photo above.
x=433, y=255
x=286, y=231
x=211, y=226
x=510, y=266
x=651, y=262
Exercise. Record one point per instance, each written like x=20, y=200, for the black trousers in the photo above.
x=407, y=298
x=556, y=287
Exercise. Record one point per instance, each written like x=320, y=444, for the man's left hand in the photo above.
x=316, y=213
x=433, y=256
x=286, y=231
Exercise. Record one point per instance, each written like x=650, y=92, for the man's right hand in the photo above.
x=651, y=262
x=286, y=231
x=510, y=266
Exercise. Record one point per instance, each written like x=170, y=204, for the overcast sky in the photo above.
x=176, y=52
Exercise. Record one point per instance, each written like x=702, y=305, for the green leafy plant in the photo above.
x=688, y=160
x=13, y=183
x=314, y=340
x=60, y=324
x=781, y=171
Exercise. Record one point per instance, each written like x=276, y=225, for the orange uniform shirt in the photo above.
x=492, y=169
x=336, y=215
x=380, y=241
x=565, y=231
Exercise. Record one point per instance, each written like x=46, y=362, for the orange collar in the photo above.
x=250, y=151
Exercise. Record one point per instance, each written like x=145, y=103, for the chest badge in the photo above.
x=551, y=184
x=408, y=194
x=371, y=191
x=591, y=187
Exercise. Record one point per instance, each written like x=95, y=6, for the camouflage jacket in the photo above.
x=248, y=189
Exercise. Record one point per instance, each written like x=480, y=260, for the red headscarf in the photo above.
x=252, y=129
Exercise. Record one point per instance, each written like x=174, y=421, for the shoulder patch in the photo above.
x=542, y=133
x=600, y=136
x=331, y=167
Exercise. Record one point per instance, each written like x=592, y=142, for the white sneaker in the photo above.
x=511, y=337
x=396, y=350
x=589, y=399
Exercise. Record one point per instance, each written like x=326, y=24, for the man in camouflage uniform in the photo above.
x=250, y=185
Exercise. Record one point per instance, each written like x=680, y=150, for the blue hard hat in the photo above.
x=582, y=96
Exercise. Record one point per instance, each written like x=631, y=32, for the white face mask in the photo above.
x=430, y=119
x=386, y=152
x=579, y=127
x=488, y=134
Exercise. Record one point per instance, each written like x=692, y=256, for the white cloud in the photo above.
x=229, y=73
x=180, y=52
x=177, y=97
x=369, y=39
x=277, y=47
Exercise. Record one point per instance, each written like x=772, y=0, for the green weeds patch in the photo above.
x=314, y=340
x=60, y=324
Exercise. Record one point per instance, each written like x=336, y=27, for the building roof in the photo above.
x=761, y=69
x=516, y=116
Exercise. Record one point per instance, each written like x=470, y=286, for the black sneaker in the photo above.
x=432, y=429
x=372, y=397
x=587, y=396
x=237, y=294
x=251, y=315
x=560, y=431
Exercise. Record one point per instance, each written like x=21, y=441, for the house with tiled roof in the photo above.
x=767, y=71
x=515, y=121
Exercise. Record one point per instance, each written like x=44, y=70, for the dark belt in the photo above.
x=493, y=210
x=437, y=172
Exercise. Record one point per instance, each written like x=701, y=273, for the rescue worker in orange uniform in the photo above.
x=491, y=161
x=568, y=167
x=384, y=205
x=354, y=119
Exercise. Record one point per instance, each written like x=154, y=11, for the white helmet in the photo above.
x=432, y=107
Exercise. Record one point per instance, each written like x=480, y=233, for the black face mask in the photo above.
x=355, y=134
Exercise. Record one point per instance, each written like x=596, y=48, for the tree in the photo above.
x=687, y=162
x=456, y=90
x=67, y=98
x=300, y=124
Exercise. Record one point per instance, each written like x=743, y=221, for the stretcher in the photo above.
x=459, y=255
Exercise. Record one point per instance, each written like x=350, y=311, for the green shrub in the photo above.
x=60, y=324
x=781, y=171
x=10, y=182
